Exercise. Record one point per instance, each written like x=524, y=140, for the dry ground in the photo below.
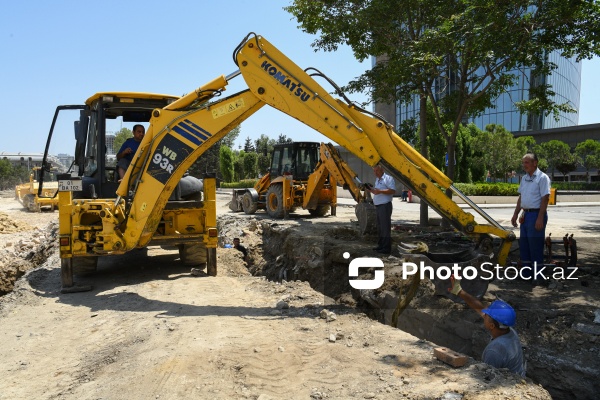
x=150, y=329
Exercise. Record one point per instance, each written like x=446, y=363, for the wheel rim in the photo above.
x=273, y=201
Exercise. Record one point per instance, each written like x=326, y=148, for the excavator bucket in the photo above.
x=236, y=200
x=446, y=261
x=367, y=217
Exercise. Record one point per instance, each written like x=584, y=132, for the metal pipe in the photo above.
x=475, y=207
x=232, y=75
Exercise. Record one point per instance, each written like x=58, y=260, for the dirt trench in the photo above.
x=562, y=356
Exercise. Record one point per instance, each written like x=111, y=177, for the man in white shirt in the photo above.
x=383, y=193
x=533, y=200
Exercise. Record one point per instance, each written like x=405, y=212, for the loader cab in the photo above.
x=297, y=159
x=97, y=126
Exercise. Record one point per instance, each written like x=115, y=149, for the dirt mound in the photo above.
x=30, y=250
x=8, y=225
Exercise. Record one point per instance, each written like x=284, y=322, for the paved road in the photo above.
x=582, y=219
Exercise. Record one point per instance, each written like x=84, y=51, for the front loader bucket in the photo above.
x=443, y=262
x=236, y=200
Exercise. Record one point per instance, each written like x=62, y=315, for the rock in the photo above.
x=597, y=316
x=584, y=328
x=332, y=338
x=451, y=396
x=369, y=396
x=323, y=313
x=282, y=305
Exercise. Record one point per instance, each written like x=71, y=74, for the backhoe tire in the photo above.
x=274, y=200
x=320, y=211
x=248, y=204
x=85, y=265
x=193, y=254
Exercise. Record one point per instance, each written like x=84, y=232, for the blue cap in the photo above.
x=502, y=312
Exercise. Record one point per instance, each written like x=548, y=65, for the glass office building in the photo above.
x=565, y=81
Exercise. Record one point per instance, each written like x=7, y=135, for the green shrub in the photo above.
x=244, y=183
x=576, y=185
x=511, y=189
x=488, y=189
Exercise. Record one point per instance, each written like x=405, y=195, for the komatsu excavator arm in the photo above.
x=179, y=133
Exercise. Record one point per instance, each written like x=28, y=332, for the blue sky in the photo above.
x=64, y=51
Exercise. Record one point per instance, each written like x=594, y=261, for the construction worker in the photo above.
x=534, y=194
x=383, y=194
x=239, y=247
x=504, y=350
x=128, y=149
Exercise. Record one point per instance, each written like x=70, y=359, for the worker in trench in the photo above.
x=504, y=350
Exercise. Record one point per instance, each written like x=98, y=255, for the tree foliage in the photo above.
x=120, y=138
x=558, y=155
x=226, y=163
x=12, y=175
x=264, y=145
x=459, y=54
x=248, y=145
x=588, y=155
x=250, y=165
x=499, y=152
x=208, y=162
x=283, y=139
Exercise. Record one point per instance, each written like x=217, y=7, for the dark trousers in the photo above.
x=384, y=226
x=531, y=243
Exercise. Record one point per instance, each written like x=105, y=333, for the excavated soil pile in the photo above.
x=25, y=252
x=8, y=225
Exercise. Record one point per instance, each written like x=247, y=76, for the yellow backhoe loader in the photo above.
x=302, y=174
x=99, y=216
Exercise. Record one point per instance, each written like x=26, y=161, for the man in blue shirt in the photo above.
x=534, y=193
x=128, y=149
x=504, y=350
x=383, y=193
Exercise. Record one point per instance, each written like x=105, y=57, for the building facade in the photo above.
x=565, y=82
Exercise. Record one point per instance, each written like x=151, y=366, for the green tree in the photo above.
x=477, y=168
x=559, y=156
x=120, y=138
x=250, y=164
x=500, y=152
x=231, y=137
x=470, y=49
x=249, y=146
x=226, y=163
x=264, y=145
x=208, y=162
x=10, y=175
x=263, y=164
x=588, y=155
x=238, y=165
x=528, y=143
x=283, y=139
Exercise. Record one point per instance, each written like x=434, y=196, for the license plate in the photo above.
x=70, y=185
